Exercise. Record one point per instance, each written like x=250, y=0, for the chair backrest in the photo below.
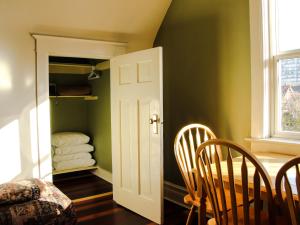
x=241, y=177
x=186, y=142
x=288, y=189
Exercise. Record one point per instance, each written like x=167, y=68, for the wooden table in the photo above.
x=271, y=161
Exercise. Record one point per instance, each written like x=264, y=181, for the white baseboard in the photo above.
x=104, y=174
x=174, y=193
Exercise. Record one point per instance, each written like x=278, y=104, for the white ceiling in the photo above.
x=105, y=19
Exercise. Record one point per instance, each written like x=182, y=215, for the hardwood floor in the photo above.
x=104, y=211
x=81, y=184
x=93, y=201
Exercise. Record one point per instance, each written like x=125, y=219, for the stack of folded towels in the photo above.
x=71, y=150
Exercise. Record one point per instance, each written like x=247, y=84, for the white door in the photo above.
x=137, y=115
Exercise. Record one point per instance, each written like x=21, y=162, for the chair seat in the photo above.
x=189, y=201
x=209, y=210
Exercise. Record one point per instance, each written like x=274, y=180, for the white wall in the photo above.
x=132, y=21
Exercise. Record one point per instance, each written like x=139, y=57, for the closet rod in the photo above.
x=99, y=66
x=77, y=68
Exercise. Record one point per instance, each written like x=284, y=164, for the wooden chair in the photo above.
x=288, y=182
x=186, y=142
x=221, y=178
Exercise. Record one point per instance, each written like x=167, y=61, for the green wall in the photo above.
x=206, y=51
x=68, y=114
x=99, y=120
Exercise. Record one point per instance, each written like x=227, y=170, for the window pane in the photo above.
x=289, y=72
x=288, y=17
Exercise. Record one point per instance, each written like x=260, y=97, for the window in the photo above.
x=275, y=69
x=286, y=57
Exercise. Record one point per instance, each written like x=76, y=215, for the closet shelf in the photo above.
x=54, y=172
x=84, y=97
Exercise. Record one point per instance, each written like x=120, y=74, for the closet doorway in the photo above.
x=136, y=118
x=79, y=91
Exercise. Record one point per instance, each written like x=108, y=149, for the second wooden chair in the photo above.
x=244, y=175
x=288, y=190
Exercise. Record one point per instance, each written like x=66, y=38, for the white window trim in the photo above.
x=259, y=35
x=261, y=103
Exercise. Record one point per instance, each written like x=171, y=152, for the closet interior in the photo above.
x=79, y=91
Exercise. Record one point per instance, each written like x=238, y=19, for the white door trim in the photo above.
x=60, y=46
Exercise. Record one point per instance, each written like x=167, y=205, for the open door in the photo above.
x=137, y=132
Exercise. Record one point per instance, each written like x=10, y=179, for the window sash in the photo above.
x=275, y=86
x=276, y=97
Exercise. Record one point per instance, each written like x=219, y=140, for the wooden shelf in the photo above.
x=84, y=97
x=54, y=172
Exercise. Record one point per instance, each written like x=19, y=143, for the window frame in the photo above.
x=264, y=75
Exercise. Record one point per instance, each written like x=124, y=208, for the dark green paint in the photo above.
x=99, y=122
x=69, y=115
x=206, y=51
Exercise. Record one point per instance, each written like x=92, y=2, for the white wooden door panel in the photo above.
x=127, y=109
x=136, y=95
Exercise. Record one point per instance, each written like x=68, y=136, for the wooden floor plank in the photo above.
x=81, y=184
x=92, y=197
x=94, y=205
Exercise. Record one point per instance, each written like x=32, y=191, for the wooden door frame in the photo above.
x=45, y=46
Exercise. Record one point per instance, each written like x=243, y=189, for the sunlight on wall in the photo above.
x=5, y=77
x=45, y=141
x=28, y=81
x=10, y=161
x=34, y=149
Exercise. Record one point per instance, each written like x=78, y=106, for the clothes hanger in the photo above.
x=93, y=75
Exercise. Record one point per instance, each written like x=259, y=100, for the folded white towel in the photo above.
x=64, y=150
x=69, y=138
x=72, y=164
x=80, y=155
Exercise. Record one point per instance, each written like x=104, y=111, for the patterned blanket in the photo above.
x=40, y=203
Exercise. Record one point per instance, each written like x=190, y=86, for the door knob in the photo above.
x=154, y=120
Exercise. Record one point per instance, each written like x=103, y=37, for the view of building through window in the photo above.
x=289, y=72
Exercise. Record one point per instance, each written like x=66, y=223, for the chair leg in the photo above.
x=190, y=217
x=201, y=216
x=202, y=211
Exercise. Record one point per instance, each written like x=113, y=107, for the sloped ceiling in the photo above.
x=115, y=20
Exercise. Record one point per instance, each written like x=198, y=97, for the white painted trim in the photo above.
x=275, y=145
x=260, y=60
x=175, y=193
x=49, y=37
x=60, y=46
x=104, y=174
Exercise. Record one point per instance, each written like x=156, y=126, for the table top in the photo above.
x=271, y=161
